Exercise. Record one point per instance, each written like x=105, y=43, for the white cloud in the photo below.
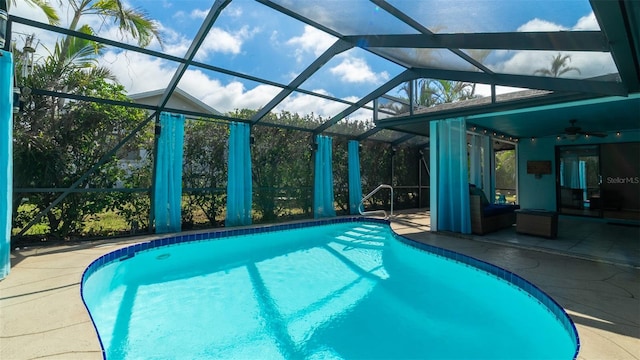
x=44, y=41
x=312, y=41
x=540, y=25
x=174, y=42
x=137, y=72
x=588, y=22
x=104, y=29
x=219, y=40
x=179, y=15
x=307, y=104
x=233, y=11
x=356, y=70
x=34, y=13
x=227, y=97
x=320, y=107
x=485, y=90
x=361, y=115
x=593, y=64
x=590, y=64
x=140, y=73
x=198, y=14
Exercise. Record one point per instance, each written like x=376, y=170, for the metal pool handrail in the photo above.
x=361, y=206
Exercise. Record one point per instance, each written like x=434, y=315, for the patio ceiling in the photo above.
x=455, y=41
x=534, y=117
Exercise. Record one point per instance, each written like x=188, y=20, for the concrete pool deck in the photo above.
x=42, y=314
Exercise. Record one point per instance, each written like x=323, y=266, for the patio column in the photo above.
x=449, y=184
x=6, y=160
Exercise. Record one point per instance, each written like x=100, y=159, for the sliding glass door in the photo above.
x=578, y=180
x=620, y=188
x=599, y=180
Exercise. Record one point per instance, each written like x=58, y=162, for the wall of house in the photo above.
x=540, y=193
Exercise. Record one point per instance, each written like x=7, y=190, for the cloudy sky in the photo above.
x=251, y=38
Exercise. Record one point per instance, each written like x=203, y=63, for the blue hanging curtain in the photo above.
x=475, y=161
x=355, y=184
x=6, y=160
x=570, y=171
x=583, y=178
x=488, y=168
x=167, y=199
x=452, y=204
x=239, y=186
x=323, y=190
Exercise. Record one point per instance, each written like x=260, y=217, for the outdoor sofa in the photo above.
x=487, y=217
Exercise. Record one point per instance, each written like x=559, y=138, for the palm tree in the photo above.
x=48, y=10
x=431, y=92
x=558, y=66
x=446, y=91
x=80, y=53
x=74, y=53
x=59, y=71
x=134, y=22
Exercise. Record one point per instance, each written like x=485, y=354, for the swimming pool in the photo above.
x=342, y=288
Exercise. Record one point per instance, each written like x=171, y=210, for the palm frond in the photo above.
x=136, y=22
x=101, y=72
x=567, y=69
x=49, y=11
x=558, y=66
x=543, y=72
x=80, y=53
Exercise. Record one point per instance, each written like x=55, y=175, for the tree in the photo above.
x=134, y=22
x=204, y=171
x=558, y=67
x=53, y=152
x=440, y=91
x=432, y=92
x=375, y=169
x=281, y=167
x=57, y=142
x=68, y=138
x=340, y=166
x=48, y=10
x=505, y=170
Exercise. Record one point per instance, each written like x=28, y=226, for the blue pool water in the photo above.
x=343, y=290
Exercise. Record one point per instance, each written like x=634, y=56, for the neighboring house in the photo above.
x=179, y=100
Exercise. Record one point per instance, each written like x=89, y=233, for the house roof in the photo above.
x=179, y=99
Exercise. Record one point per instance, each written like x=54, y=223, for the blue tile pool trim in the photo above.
x=506, y=275
x=517, y=281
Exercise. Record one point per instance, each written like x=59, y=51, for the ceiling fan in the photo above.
x=572, y=132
